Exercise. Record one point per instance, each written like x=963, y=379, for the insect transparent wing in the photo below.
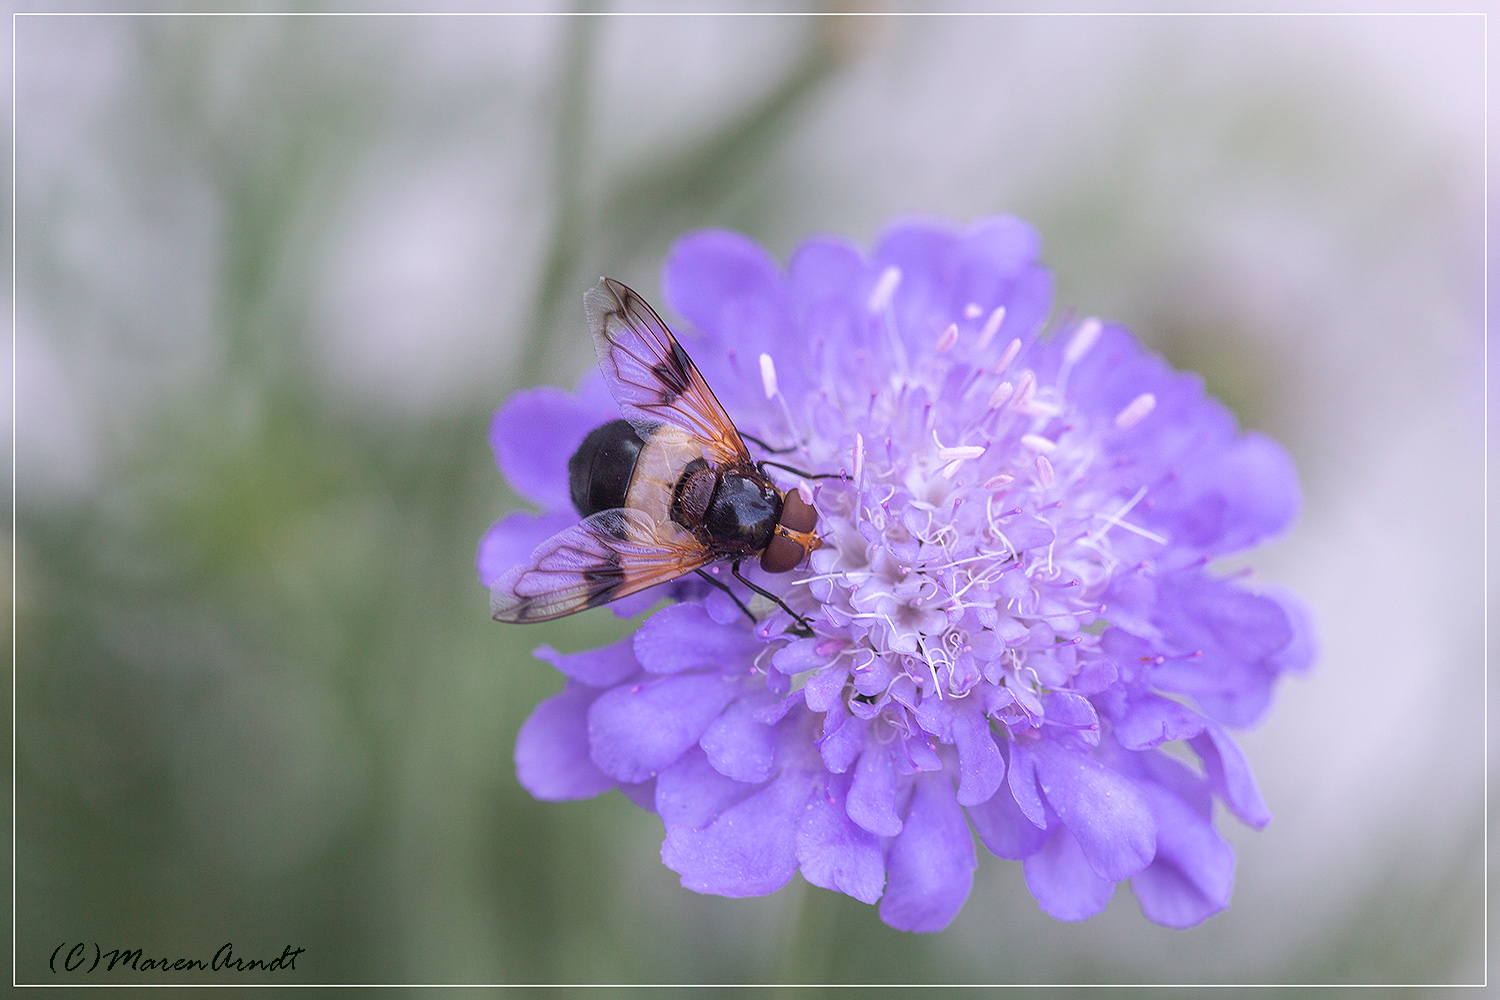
x=652, y=377
x=604, y=557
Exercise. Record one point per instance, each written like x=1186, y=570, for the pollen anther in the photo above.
x=992, y=327
x=1024, y=391
x=1083, y=338
x=958, y=453
x=1011, y=350
x=768, y=375
x=885, y=287
x=1135, y=411
x=1038, y=443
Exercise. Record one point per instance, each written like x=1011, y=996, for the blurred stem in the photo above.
x=672, y=196
x=569, y=139
x=661, y=199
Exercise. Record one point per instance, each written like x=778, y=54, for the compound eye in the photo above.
x=781, y=555
x=797, y=514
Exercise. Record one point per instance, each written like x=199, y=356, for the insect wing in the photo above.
x=604, y=557
x=652, y=377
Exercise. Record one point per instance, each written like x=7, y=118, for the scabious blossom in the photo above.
x=1017, y=626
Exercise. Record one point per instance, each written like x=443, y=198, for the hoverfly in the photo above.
x=663, y=492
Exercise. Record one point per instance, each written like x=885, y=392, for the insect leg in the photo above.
x=802, y=623
x=765, y=447
x=804, y=475
x=726, y=590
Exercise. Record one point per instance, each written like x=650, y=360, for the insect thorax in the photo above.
x=743, y=512
x=694, y=493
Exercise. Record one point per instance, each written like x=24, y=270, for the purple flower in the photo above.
x=1014, y=608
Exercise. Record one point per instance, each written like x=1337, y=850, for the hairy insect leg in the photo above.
x=732, y=597
x=802, y=623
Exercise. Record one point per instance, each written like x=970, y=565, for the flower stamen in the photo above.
x=1115, y=520
x=768, y=376
x=1011, y=349
x=958, y=453
x=1038, y=443
x=991, y=327
x=885, y=288
x=1083, y=338
x=1135, y=411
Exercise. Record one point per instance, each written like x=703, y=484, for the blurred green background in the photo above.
x=273, y=274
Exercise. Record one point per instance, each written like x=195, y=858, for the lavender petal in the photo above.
x=635, y=730
x=932, y=861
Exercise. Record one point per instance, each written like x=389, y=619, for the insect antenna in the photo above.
x=804, y=626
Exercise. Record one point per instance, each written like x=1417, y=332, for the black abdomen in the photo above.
x=599, y=471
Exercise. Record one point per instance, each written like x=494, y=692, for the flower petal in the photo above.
x=981, y=769
x=635, y=730
x=842, y=742
x=552, y=748
x=601, y=668
x=1237, y=635
x=1298, y=655
x=836, y=853
x=824, y=688
x=1023, y=783
x=1148, y=721
x=873, y=793
x=642, y=600
x=825, y=272
x=729, y=288
x=733, y=293
x=511, y=540
x=932, y=861
x=642, y=793
x=962, y=723
x=536, y=465
x=1063, y=882
x=750, y=849
x=1229, y=775
x=1002, y=245
x=1071, y=711
x=1193, y=874
x=738, y=744
x=691, y=793
x=799, y=655
x=1110, y=820
x=683, y=637
x=1255, y=486
x=1004, y=829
